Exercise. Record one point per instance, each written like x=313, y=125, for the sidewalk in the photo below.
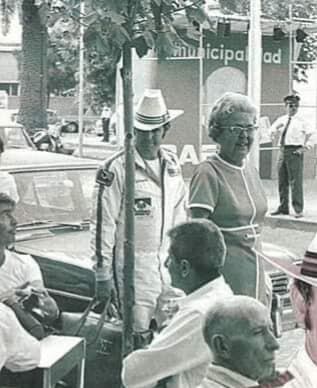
x=308, y=222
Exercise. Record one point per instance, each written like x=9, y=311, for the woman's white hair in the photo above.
x=227, y=104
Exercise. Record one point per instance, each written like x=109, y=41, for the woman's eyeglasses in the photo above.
x=238, y=129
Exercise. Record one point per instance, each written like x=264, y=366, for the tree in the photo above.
x=33, y=98
x=33, y=74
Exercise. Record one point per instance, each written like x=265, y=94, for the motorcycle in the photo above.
x=48, y=140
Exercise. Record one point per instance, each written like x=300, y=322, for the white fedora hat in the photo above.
x=306, y=270
x=151, y=111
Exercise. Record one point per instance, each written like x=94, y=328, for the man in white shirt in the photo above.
x=304, y=299
x=238, y=330
x=19, y=351
x=295, y=139
x=179, y=353
x=17, y=272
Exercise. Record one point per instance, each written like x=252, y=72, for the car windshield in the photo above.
x=60, y=196
x=14, y=137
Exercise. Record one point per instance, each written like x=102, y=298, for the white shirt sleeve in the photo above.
x=33, y=273
x=19, y=351
x=174, y=352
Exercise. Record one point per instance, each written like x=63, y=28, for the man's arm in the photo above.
x=21, y=350
x=107, y=199
x=178, y=348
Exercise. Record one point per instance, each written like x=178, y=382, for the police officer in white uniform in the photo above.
x=295, y=138
x=160, y=203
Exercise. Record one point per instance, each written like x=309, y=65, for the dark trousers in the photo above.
x=290, y=175
x=105, y=129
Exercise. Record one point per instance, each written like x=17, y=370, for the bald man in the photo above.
x=238, y=331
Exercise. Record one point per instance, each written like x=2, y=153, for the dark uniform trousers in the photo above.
x=290, y=175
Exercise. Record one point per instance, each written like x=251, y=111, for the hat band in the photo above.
x=309, y=265
x=152, y=120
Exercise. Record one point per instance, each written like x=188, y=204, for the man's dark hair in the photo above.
x=4, y=198
x=201, y=243
x=306, y=291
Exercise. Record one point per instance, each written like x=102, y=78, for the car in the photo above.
x=13, y=134
x=53, y=212
x=70, y=124
x=52, y=116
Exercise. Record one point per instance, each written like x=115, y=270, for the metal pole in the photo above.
x=201, y=85
x=290, y=41
x=255, y=67
x=81, y=80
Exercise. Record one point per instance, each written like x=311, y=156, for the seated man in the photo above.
x=17, y=272
x=239, y=334
x=179, y=353
x=19, y=351
x=304, y=299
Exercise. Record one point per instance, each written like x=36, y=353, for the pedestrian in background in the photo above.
x=105, y=120
x=227, y=189
x=295, y=138
x=159, y=204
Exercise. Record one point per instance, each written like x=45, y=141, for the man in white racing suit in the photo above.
x=159, y=204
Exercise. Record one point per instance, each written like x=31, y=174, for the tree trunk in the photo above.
x=33, y=99
x=128, y=270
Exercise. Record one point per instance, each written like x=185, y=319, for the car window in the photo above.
x=54, y=196
x=14, y=137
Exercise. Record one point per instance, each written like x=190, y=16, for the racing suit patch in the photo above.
x=142, y=206
x=104, y=177
x=173, y=170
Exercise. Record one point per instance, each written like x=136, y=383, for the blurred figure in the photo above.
x=295, y=138
x=227, y=190
x=179, y=355
x=304, y=299
x=7, y=182
x=105, y=119
x=159, y=204
x=239, y=334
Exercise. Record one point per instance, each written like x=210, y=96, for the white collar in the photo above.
x=231, y=165
x=203, y=290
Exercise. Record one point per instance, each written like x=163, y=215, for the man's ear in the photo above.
x=220, y=346
x=299, y=304
x=185, y=267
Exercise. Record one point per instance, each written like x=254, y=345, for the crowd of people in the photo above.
x=199, y=267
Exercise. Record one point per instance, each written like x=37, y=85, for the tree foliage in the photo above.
x=108, y=26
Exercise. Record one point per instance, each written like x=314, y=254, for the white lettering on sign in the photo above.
x=189, y=155
x=226, y=55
